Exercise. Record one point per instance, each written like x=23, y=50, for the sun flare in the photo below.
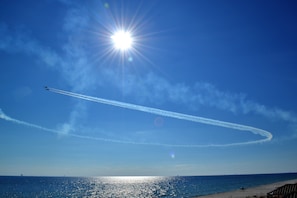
x=122, y=40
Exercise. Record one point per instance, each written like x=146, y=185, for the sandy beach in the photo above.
x=259, y=191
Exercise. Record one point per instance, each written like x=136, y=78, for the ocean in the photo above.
x=165, y=187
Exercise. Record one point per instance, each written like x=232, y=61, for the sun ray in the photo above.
x=123, y=40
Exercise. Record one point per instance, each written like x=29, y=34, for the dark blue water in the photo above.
x=131, y=186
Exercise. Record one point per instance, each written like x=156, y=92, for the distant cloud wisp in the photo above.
x=152, y=88
x=268, y=136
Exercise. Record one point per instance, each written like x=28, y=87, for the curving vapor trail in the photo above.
x=267, y=135
x=16, y=121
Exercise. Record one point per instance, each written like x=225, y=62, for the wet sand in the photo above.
x=259, y=191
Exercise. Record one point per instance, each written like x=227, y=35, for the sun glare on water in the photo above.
x=122, y=40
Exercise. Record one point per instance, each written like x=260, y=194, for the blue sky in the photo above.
x=231, y=61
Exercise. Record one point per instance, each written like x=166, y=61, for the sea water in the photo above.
x=190, y=186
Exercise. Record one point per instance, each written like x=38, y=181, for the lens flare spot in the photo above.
x=106, y=5
x=130, y=59
x=172, y=155
x=158, y=122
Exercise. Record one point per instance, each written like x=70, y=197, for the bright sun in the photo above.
x=122, y=40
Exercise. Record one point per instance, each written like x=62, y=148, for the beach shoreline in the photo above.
x=258, y=191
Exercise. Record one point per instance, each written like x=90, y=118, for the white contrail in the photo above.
x=267, y=135
x=7, y=118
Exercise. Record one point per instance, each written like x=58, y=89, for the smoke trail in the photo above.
x=267, y=135
x=7, y=118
